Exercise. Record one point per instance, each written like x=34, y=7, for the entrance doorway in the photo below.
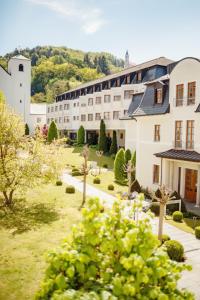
x=191, y=185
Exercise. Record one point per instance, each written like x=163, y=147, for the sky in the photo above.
x=146, y=28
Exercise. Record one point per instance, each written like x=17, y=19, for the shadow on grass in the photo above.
x=24, y=217
x=77, y=150
x=192, y=223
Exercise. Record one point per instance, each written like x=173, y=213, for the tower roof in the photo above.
x=19, y=56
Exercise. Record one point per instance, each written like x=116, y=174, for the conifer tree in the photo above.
x=119, y=166
x=53, y=132
x=26, y=129
x=127, y=155
x=102, y=137
x=133, y=161
x=113, y=148
x=81, y=135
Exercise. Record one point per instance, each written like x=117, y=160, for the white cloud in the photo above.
x=90, y=19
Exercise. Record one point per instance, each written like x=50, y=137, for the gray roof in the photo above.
x=135, y=103
x=198, y=108
x=180, y=155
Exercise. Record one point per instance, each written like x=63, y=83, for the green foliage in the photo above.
x=111, y=187
x=59, y=183
x=70, y=189
x=76, y=173
x=52, y=132
x=102, y=137
x=113, y=147
x=133, y=161
x=81, y=135
x=2, y=98
x=177, y=216
x=136, y=186
x=175, y=250
x=119, y=165
x=110, y=256
x=26, y=129
x=197, y=232
x=97, y=180
x=127, y=155
x=155, y=208
x=165, y=238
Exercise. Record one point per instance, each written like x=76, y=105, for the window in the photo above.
x=77, y=118
x=128, y=79
x=178, y=134
x=90, y=117
x=20, y=85
x=117, y=98
x=115, y=115
x=156, y=133
x=159, y=96
x=21, y=68
x=83, y=118
x=128, y=94
x=97, y=116
x=56, y=120
x=60, y=119
x=191, y=93
x=121, y=136
x=98, y=100
x=106, y=98
x=48, y=121
x=106, y=116
x=139, y=76
x=90, y=101
x=20, y=101
x=179, y=94
x=66, y=106
x=60, y=107
x=125, y=112
x=190, y=135
x=66, y=119
x=83, y=104
x=39, y=120
x=75, y=104
x=56, y=108
x=48, y=109
x=156, y=174
x=52, y=109
x=74, y=118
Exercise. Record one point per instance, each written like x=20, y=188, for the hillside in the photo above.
x=57, y=69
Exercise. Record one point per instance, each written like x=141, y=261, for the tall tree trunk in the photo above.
x=161, y=220
x=8, y=197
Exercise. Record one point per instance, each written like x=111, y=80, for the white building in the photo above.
x=154, y=108
x=15, y=83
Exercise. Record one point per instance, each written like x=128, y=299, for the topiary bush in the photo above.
x=177, y=216
x=127, y=155
x=70, y=189
x=165, y=238
x=97, y=180
x=75, y=169
x=175, y=250
x=155, y=208
x=76, y=173
x=119, y=165
x=197, y=232
x=109, y=256
x=27, y=131
x=81, y=135
x=111, y=187
x=52, y=132
x=59, y=183
x=113, y=147
x=105, y=166
x=102, y=137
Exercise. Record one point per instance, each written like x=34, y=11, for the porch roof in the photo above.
x=180, y=155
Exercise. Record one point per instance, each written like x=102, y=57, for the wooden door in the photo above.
x=190, y=185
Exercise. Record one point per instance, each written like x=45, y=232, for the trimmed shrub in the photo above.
x=197, y=232
x=133, y=161
x=136, y=187
x=127, y=155
x=59, y=182
x=27, y=131
x=70, y=189
x=102, y=137
x=119, y=165
x=52, y=132
x=81, y=135
x=105, y=166
x=155, y=208
x=113, y=147
x=177, y=216
x=175, y=250
x=111, y=187
x=97, y=180
x=76, y=173
x=165, y=238
x=75, y=169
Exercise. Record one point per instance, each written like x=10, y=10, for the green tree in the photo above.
x=102, y=137
x=2, y=97
x=81, y=135
x=52, y=132
x=127, y=155
x=26, y=129
x=133, y=161
x=119, y=166
x=110, y=256
x=113, y=147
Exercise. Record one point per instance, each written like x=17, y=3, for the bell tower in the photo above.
x=127, y=64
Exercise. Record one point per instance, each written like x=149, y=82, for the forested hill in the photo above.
x=57, y=69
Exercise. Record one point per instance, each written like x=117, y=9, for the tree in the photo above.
x=133, y=161
x=110, y=256
x=127, y=155
x=85, y=154
x=2, y=97
x=53, y=132
x=119, y=166
x=26, y=129
x=102, y=137
x=113, y=147
x=81, y=135
x=22, y=159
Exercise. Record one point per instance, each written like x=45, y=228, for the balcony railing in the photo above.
x=184, y=101
x=189, y=145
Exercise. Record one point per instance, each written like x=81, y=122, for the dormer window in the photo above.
x=21, y=68
x=139, y=76
x=159, y=96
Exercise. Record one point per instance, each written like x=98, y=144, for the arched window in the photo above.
x=21, y=68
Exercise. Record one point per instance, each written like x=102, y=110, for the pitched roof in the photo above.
x=198, y=108
x=19, y=56
x=180, y=155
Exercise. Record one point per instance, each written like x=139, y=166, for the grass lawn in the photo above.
x=39, y=224
x=186, y=225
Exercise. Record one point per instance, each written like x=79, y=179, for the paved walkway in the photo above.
x=189, y=280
